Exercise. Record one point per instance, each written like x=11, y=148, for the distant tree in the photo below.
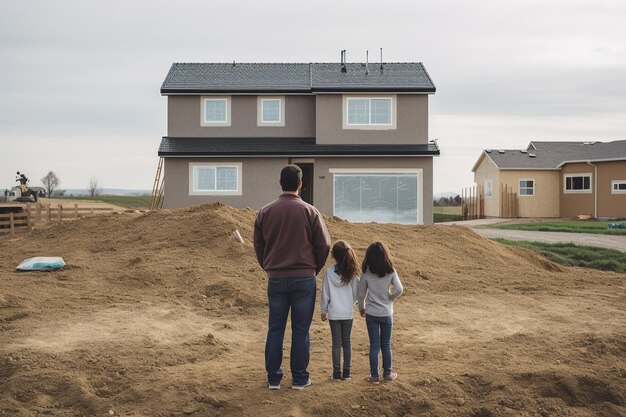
x=457, y=200
x=93, y=188
x=50, y=182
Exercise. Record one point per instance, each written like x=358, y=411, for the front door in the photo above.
x=306, y=193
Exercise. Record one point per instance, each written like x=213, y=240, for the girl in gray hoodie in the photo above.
x=376, y=305
x=339, y=294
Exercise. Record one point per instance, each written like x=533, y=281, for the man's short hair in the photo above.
x=290, y=177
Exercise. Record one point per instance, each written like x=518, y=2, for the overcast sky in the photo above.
x=80, y=79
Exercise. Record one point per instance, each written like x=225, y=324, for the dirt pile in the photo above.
x=164, y=314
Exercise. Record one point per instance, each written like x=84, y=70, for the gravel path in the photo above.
x=587, y=239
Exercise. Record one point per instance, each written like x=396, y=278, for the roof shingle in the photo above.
x=219, y=147
x=551, y=155
x=197, y=78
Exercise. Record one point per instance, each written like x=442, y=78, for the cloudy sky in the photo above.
x=80, y=79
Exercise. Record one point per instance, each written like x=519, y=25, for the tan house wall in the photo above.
x=609, y=204
x=545, y=202
x=411, y=122
x=487, y=170
x=184, y=115
x=260, y=180
x=573, y=204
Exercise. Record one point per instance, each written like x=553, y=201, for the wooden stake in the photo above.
x=12, y=222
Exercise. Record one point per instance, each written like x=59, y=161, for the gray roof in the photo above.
x=253, y=147
x=552, y=155
x=197, y=78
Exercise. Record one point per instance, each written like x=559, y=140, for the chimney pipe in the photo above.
x=343, y=61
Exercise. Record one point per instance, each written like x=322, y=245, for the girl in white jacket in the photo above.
x=339, y=294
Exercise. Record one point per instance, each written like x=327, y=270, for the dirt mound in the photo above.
x=164, y=314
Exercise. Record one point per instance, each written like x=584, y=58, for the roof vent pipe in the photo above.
x=367, y=58
x=343, y=61
x=381, y=59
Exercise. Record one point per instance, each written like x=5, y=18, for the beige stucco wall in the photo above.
x=260, y=180
x=487, y=170
x=609, y=204
x=574, y=204
x=545, y=202
x=184, y=116
x=411, y=122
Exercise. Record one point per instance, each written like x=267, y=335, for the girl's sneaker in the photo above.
x=391, y=377
x=373, y=380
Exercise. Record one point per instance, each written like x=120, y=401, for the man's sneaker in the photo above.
x=301, y=387
x=273, y=387
x=391, y=377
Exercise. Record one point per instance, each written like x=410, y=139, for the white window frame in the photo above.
x=371, y=126
x=583, y=174
x=365, y=171
x=490, y=188
x=519, y=187
x=281, y=109
x=613, y=188
x=208, y=123
x=193, y=166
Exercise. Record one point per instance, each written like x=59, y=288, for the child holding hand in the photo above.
x=376, y=305
x=339, y=294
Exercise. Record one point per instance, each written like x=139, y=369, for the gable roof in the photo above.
x=261, y=147
x=198, y=78
x=553, y=155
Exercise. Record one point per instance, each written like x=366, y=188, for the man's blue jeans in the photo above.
x=379, y=331
x=297, y=295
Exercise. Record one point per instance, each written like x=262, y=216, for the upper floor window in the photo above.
x=270, y=111
x=618, y=187
x=214, y=179
x=369, y=113
x=577, y=183
x=526, y=187
x=215, y=111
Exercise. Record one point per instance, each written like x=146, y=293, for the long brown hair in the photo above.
x=347, y=266
x=377, y=260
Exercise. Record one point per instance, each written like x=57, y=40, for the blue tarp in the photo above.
x=617, y=225
x=41, y=263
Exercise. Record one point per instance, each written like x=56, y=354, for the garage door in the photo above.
x=383, y=197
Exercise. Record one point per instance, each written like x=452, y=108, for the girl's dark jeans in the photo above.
x=341, y=331
x=379, y=331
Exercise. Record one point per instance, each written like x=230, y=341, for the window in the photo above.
x=215, y=111
x=270, y=111
x=377, y=196
x=369, y=113
x=577, y=183
x=488, y=188
x=618, y=187
x=526, y=187
x=215, y=179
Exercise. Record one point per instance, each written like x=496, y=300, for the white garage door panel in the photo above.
x=377, y=197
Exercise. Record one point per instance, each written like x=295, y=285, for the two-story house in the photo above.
x=359, y=133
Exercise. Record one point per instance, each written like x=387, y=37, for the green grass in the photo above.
x=569, y=226
x=128, y=201
x=447, y=214
x=573, y=255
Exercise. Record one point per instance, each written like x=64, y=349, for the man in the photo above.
x=291, y=244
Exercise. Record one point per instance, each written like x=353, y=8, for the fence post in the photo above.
x=76, y=210
x=38, y=212
x=48, y=214
x=60, y=212
x=29, y=225
x=12, y=223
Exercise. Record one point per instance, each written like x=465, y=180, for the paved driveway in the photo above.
x=587, y=239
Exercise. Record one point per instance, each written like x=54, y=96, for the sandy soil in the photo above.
x=164, y=314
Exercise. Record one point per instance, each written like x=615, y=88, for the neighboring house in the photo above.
x=556, y=179
x=359, y=132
